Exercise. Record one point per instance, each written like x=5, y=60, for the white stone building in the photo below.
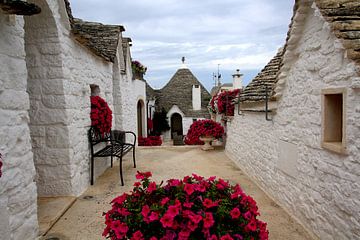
x=184, y=99
x=307, y=154
x=50, y=65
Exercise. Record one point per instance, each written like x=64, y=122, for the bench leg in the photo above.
x=134, y=157
x=121, y=175
x=92, y=171
x=111, y=161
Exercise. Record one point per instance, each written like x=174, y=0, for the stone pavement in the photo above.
x=84, y=219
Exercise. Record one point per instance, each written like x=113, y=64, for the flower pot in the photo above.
x=207, y=140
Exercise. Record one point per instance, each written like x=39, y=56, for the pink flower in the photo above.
x=153, y=238
x=212, y=178
x=167, y=220
x=235, y=213
x=137, y=184
x=174, y=182
x=154, y=216
x=151, y=187
x=208, y=203
x=251, y=226
x=188, y=204
x=192, y=225
x=184, y=235
x=142, y=175
x=145, y=211
x=208, y=220
x=226, y=237
x=120, y=199
x=164, y=201
x=189, y=188
x=137, y=236
x=195, y=218
x=173, y=211
x=247, y=215
x=197, y=178
x=213, y=237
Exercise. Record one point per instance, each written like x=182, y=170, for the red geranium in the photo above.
x=154, y=211
x=200, y=128
x=101, y=114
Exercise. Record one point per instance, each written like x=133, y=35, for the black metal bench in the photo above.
x=113, y=144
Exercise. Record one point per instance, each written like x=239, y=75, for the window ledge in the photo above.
x=337, y=147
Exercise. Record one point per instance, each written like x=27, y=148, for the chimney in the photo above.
x=237, y=80
x=196, y=97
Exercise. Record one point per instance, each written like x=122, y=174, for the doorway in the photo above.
x=176, y=124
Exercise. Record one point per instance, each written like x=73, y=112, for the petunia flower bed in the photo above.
x=200, y=128
x=101, y=114
x=190, y=208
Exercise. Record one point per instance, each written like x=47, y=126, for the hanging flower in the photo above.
x=200, y=128
x=101, y=115
x=138, y=67
x=181, y=211
x=224, y=102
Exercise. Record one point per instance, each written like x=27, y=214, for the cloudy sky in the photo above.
x=241, y=34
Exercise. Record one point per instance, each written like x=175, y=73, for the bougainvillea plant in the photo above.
x=224, y=102
x=150, y=141
x=101, y=115
x=138, y=67
x=190, y=208
x=200, y=128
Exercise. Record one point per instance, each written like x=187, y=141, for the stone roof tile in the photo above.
x=255, y=91
x=99, y=38
x=178, y=91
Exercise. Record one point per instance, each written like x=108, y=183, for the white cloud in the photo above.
x=241, y=34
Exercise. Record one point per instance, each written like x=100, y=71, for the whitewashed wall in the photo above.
x=320, y=188
x=18, y=206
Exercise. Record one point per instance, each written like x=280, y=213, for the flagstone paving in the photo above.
x=84, y=219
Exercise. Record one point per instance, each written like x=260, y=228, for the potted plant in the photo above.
x=190, y=208
x=138, y=70
x=203, y=132
x=101, y=115
x=224, y=103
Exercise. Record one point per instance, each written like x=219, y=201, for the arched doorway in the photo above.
x=140, y=118
x=176, y=124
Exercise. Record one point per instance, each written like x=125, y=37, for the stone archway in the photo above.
x=176, y=124
x=140, y=118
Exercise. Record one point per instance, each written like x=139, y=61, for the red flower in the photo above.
x=153, y=216
x=208, y=203
x=195, y=218
x=167, y=220
x=142, y=175
x=235, y=213
x=208, y=220
x=120, y=199
x=137, y=236
x=164, y=201
x=173, y=211
x=251, y=226
x=151, y=187
x=205, y=127
x=145, y=211
x=100, y=114
x=189, y=188
x=226, y=237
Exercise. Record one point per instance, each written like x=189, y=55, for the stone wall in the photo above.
x=18, y=208
x=320, y=188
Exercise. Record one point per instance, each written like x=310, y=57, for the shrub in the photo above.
x=191, y=208
x=200, y=128
x=160, y=123
x=224, y=102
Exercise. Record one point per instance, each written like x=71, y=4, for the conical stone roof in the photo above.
x=178, y=91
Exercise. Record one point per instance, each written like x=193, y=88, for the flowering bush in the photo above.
x=101, y=115
x=224, y=102
x=138, y=67
x=150, y=141
x=191, y=208
x=203, y=128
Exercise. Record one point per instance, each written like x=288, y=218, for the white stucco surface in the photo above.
x=18, y=207
x=321, y=188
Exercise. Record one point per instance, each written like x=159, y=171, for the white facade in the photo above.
x=45, y=93
x=317, y=186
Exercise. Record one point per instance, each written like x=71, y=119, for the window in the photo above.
x=95, y=90
x=334, y=119
x=197, y=86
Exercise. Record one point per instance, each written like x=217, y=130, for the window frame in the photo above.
x=338, y=147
